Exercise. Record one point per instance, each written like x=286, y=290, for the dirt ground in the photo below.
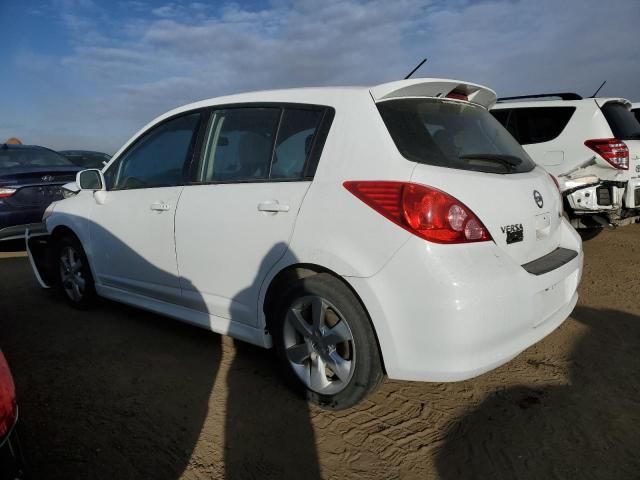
x=117, y=393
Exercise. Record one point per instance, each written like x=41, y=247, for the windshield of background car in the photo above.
x=31, y=157
x=452, y=134
x=623, y=122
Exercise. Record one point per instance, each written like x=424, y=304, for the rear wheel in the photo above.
x=589, y=233
x=326, y=344
x=74, y=275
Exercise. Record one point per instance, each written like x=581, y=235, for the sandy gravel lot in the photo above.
x=116, y=393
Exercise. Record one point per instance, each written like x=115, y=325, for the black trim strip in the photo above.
x=559, y=257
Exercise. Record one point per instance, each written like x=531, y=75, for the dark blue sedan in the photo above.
x=31, y=177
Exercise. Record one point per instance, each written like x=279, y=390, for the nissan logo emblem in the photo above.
x=538, y=198
x=47, y=178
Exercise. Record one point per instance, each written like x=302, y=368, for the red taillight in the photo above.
x=424, y=211
x=8, y=407
x=7, y=192
x=458, y=95
x=612, y=150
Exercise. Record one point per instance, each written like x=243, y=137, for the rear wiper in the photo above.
x=508, y=161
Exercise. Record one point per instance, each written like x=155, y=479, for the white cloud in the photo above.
x=134, y=67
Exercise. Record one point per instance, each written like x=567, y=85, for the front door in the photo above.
x=132, y=227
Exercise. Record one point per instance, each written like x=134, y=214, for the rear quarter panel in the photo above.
x=335, y=229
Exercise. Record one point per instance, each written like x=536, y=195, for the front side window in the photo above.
x=452, y=134
x=158, y=158
x=238, y=145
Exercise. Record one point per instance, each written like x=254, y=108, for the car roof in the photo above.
x=332, y=96
x=558, y=103
x=336, y=96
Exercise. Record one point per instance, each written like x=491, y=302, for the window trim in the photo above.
x=311, y=162
x=190, y=152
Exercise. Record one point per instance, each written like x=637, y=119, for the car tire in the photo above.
x=325, y=343
x=73, y=275
x=589, y=233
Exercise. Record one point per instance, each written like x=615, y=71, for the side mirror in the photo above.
x=91, y=179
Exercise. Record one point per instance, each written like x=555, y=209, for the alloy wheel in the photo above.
x=319, y=345
x=71, y=273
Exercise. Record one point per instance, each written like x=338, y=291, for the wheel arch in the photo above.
x=294, y=272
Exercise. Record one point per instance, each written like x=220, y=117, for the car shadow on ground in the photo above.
x=116, y=392
x=560, y=431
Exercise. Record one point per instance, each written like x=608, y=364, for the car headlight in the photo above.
x=48, y=211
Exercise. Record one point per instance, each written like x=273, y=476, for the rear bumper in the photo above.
x=448, y=313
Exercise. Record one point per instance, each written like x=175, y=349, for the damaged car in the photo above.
x=590, y=145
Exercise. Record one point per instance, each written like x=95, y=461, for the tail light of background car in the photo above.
x=8, y=406
x=427, y=212
x=6, y=192
x=612, y=150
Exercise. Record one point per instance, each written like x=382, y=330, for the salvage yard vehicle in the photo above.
x=31, y=177
x=359, y=231
x=592, y=147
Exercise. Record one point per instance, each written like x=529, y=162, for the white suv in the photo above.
x=591, y=145
x=397, y=229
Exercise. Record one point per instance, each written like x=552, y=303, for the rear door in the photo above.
x=235, y=221
x=461, y=149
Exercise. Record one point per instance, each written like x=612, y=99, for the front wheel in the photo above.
x=326, y=343
x=74, y=275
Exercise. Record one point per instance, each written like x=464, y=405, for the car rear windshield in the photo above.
x=623, y=123
x=452, y=134
x=31, y=157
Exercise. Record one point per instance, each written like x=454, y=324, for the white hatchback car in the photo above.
x=397, y=229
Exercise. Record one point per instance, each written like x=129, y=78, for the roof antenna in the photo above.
x=414, y=70
x=599, y=88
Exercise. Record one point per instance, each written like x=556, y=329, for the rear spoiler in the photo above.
x=601, y=102
x=434, y=88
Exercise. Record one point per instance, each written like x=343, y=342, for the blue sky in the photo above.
x=89, y=74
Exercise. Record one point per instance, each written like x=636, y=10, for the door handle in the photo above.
x=160, y=206
x=272, y=206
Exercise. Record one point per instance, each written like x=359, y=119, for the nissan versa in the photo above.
x=394, y=230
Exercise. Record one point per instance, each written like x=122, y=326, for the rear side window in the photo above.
x=295, y=140
x=452, y=134
x=534, y=124
x=636, y=112
x=624, y=124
